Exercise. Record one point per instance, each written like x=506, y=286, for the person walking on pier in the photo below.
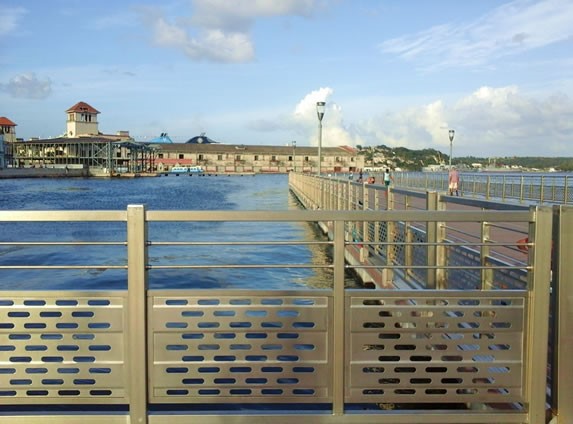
x=454, y=181
x=387, y=177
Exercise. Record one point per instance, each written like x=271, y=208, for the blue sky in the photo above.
x=393, y=72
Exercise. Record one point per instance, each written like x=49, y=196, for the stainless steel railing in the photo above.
x=542, y=188
x=415, y=252
x=148, y=349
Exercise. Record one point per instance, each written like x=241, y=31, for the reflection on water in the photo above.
x=262, y=192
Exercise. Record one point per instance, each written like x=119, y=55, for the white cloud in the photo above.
x=488, y=122
x=512, y=28
x=219, y=30
x=9, y=19
x=303, y=121
x=491, y=121
x=506, y=118
x=28, y=86
x=306, y=108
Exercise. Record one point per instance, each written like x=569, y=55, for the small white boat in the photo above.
x=186, y=170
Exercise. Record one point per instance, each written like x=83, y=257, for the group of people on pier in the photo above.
x=372, y=180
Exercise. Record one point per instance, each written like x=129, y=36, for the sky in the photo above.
x=399, y=73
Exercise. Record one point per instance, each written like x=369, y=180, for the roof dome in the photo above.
x=200, y=139
x=162, y=139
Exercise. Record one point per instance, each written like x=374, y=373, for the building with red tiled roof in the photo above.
x=7, y=129
x=81, y=120
x=82, y=107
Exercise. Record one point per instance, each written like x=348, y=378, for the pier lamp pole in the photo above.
x=294, y=156
x=451, y=133
x=320, y=106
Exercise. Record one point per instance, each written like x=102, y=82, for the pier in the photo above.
x=452, y=324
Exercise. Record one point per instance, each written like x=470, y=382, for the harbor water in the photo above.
x=199, y=193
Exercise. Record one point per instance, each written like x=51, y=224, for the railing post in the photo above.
x=377, y=223
x=390, y=198
x=487, y=187
x=390, y=235
x=563, y=292
x=332, y=196
x=431, y=237
x=365, y=248
x=486, y=280
x=538, y=314
x=340, y=191
x=442, y=275
x=339, y=331
x=137, y=316
x=553, y=189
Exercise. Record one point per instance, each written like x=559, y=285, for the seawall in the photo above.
x=43, y=172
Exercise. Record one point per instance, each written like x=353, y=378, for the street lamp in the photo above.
x=451, y=133
x=294, y=156
x=320, y=106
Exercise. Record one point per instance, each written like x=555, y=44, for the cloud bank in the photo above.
x=490, y=121
x=219, y=30
x=28, y=86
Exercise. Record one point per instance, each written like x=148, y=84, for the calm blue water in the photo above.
x=261, y=192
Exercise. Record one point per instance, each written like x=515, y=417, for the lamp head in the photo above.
x=451, y=133
x=320, y=106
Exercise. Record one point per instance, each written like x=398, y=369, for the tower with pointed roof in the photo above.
x=7, y=135
x=7, y=130
x=81, y=120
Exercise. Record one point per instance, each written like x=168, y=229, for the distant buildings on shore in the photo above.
x=85, y=146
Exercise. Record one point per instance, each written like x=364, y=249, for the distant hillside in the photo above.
x=400, y=157
x=557, y=163
x=415, y=160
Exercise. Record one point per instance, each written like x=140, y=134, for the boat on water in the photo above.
x=186, y=170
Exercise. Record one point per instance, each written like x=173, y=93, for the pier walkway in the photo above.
x=451, y=330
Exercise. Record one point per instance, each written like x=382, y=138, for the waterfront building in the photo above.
x=81, y=120
x=84, y=146
x=7, y=135
x=7, y=129
x=100, y=156
x=2, y=160
x=103, y=156
x=237, y=158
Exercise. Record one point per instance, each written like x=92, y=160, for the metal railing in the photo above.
x=414, y=252
x=492, y=246
x=349, y=355
x=555, y=189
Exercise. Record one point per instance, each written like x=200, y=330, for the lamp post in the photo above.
x=294, y=156
x=451, y=134
x=320, y=106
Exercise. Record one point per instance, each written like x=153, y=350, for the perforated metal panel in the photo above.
x=248, y=347
x=62, y=347
x=435, y=346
